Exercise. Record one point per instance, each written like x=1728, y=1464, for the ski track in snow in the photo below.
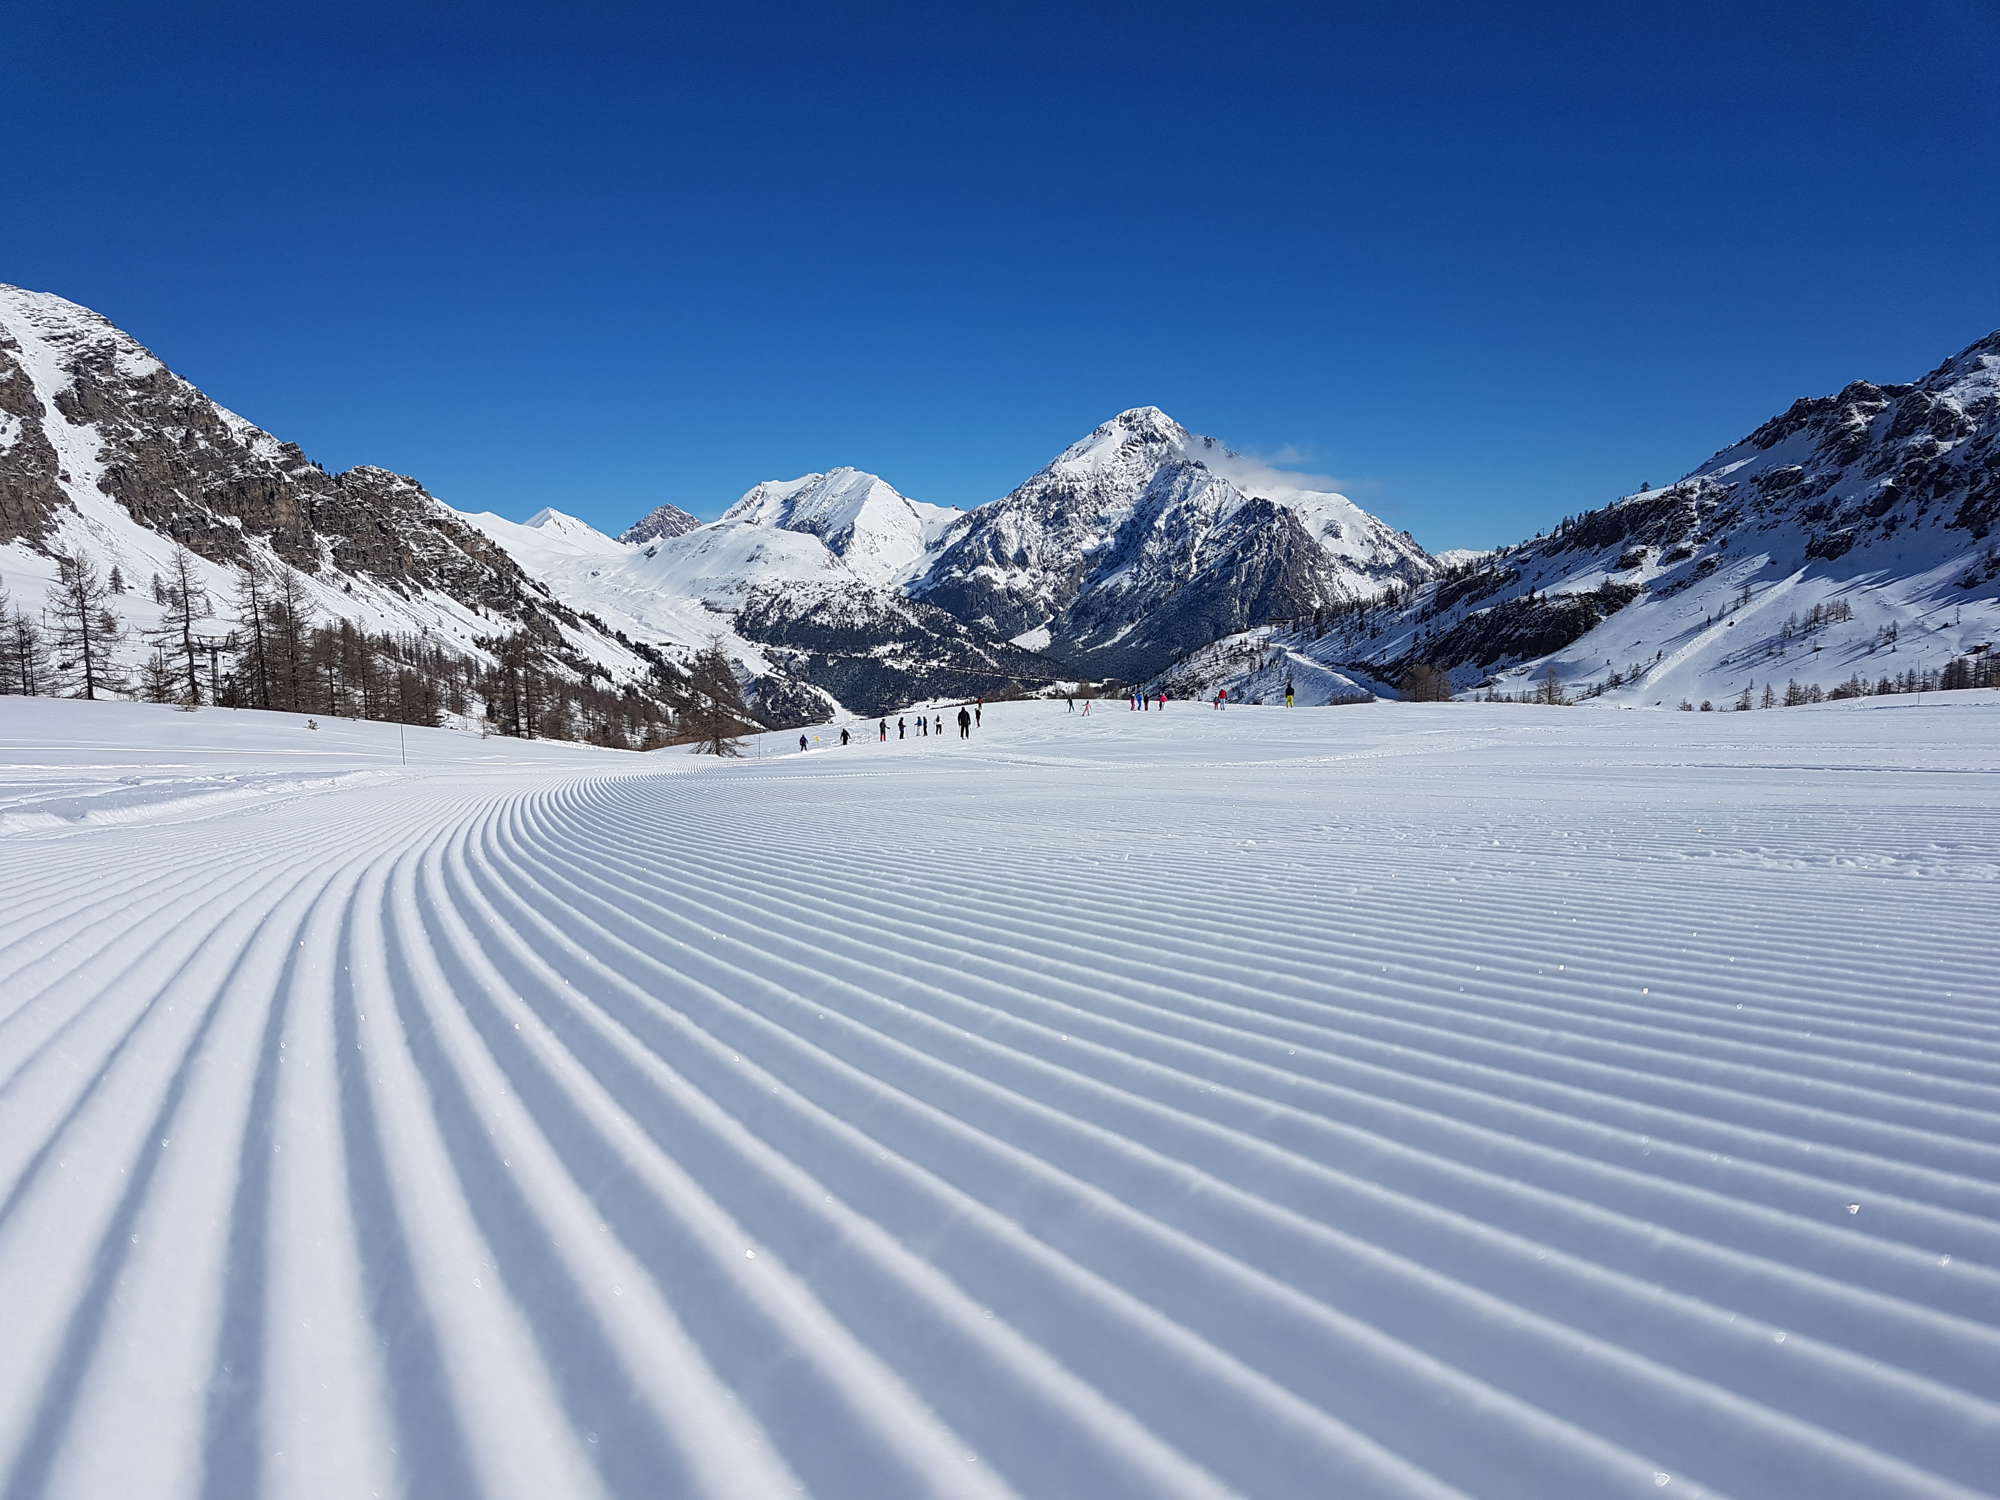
x=1406, y=1102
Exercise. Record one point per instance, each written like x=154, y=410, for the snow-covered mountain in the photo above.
x=1143, y=540
x=107, y=454
x=880, y=534
x=1850, y=538
x=797, y=582
x=830, y=590
x=658, y=523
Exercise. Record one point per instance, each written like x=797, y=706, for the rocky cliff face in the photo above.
x=659, y=524
x=93, y=414
x=1144, y=540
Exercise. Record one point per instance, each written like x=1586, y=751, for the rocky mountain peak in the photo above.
x=658, y=524
x=1143, y=539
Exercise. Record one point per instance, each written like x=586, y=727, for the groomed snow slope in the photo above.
x=1401, y=1101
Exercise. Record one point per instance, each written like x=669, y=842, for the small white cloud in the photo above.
x=1273, y=475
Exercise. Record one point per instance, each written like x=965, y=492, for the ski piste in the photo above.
x=1402, y=1101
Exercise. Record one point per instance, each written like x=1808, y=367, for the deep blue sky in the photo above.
x=1485, y=263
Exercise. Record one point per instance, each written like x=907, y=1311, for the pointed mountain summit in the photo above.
x=659, y=523
x=561, y=526
x=1143, y=540
x=881, y=534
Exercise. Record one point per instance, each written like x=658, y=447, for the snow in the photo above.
x=1453, y=557
x=547, y=540
x=1397, y=1101
x=1124, y=451
x=879, y=534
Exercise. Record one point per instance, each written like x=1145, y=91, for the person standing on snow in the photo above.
x=1288, y=692
x=843, y=737
x=884, y=728
x=1221, y=697
x=978, y=710
x=1071, y=701
x=802, y=743
x=964, y=725
x=1163, y=701
x=902, y=727
x=939, y=725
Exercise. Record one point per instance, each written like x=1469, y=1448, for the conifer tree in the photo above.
x=82, y=629
x=716, y=719
x=1424, y=683
x=184, y=603
x=158, y=680
x=288, y=614
x=253, y=667
x=24, y=655
x=1549, y=690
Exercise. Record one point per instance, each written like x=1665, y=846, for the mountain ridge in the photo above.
x=1847, y=539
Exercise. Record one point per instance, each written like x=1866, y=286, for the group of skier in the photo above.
x=970, y=714
x=925, y=725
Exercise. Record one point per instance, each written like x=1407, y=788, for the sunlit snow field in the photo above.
x=1400, y=1101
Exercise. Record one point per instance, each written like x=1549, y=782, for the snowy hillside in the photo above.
x=1142, y=541
x=1850, y=538
x=1405, y=1102
x=108, y=455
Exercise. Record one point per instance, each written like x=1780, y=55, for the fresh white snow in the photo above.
x=1398, y=1101
x=881, y=535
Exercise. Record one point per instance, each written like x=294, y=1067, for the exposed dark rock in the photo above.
x=660, y=522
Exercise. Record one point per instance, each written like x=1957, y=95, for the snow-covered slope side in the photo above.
x=106, y=453
x=882, y=535
x=673, y=596
x=1143, y=540
x=549, y=540
x=1852, y=537
x=1257, y=666
x=1461, y=557
x=661, y=522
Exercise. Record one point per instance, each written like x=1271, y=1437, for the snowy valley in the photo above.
x=1845, y=546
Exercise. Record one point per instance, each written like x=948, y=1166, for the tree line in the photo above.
x=265, y=646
